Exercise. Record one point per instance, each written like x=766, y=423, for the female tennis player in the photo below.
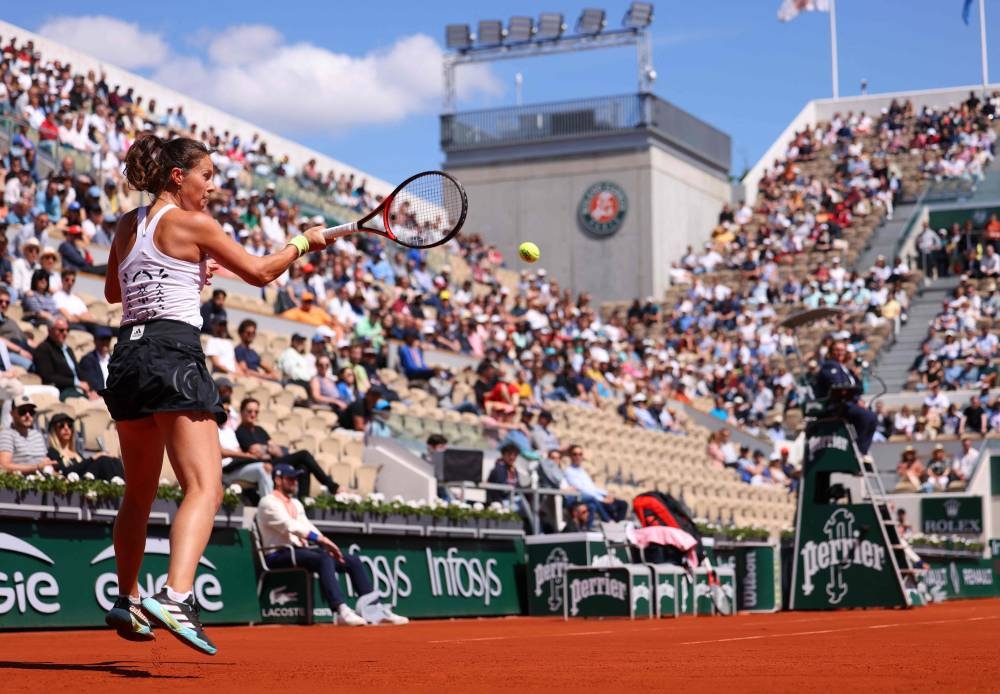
x=158, y=390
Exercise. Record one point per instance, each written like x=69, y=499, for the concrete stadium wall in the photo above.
x=196, y=111
x=671, y=203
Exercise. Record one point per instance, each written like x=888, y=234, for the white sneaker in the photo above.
x=393, y=618
x=348, y=617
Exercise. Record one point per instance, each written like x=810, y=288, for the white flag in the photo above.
x=790, y=8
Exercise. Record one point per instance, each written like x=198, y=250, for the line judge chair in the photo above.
x=260, y=560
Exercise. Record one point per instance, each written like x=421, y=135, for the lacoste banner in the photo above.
x=55, y=574
x=955, y=515
x=418, y=576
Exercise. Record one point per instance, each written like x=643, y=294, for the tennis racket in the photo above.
x=424, y=211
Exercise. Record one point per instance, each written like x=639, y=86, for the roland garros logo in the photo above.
x=602, y=209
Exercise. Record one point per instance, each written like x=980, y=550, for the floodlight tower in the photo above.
x=523, y=38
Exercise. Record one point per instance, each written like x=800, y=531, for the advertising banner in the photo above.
x=416, y=576
x=758, y=574
x=58, y=574
x=951, y=515
x=960, y=579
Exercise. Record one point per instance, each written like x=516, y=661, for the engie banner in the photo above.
x=57, y=574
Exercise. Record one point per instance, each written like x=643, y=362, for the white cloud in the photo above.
x=302, y=88
x=118, y=42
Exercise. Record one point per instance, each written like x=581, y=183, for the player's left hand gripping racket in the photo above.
x=424, y=211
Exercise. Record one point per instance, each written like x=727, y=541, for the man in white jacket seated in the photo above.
x=282, y=520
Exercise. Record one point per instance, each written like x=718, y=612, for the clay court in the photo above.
x=951, y=646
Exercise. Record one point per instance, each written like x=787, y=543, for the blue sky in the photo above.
x=729, y=62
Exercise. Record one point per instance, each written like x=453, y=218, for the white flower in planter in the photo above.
x=164, y=482
x=91, y=494
x=398, y=499
x=323, y=489
x=420, y=502
x=49, y=470
x=72, y=477
x=236, y=489
x=89, y=476
x=117, y=481
x=478, y=506
x=496, y=506
x=376, y=497
x=309, y=501
x=341, y=497
x=32, y=477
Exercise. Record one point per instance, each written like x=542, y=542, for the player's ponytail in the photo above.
x=150, y=160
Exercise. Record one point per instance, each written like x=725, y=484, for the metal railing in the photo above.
x=518, y=124
x=584, y=118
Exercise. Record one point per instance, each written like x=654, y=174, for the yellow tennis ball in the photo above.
x=529, y=252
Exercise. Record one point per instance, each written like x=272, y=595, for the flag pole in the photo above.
x=833, y=45
x=982, y=44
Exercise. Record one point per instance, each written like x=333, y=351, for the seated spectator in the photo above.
x=12, y=336
x=910, y=470
x=214, y=307
x=221, y=350
x=257, y=442
x=411, y=358
x=360, y=413
x=323, y=390
x=49, y=260
x=347, y=389
x=240, y=466
x=56, y=364
x=752, y=471
x=71, y=306
x=775, y=473
x=976, y=419
x=542, y=437
x=39, y=302
x=22, y=446
x=601, y=503
x=247, y=357
x=94, y=364
x=492, y=393
x=579, y=518
x=74, y=254
x=62, y=449
x=24, y=267
x=308, y=312
x=507, y=471
x=965, y=461
x=518, y=433
x=294, y=364
x=282, y=520
x=938, y=468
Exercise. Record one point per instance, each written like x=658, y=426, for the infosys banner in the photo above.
x=55, y=574
x=417, y=576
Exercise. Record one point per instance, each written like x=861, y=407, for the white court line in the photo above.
x=524, y=636
x=833, y=631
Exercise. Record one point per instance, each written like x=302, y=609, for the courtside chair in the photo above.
x=260, y=561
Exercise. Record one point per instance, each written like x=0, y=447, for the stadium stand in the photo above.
x=618, y=379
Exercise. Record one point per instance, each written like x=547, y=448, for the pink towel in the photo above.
x=665, y=535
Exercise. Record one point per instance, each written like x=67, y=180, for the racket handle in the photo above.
x=334, y=233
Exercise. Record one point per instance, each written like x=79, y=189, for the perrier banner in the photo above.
x=58, y=574
x=842, y=558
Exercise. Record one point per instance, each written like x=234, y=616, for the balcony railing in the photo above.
x=523, y=125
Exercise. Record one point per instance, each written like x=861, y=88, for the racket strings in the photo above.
x=426, y=210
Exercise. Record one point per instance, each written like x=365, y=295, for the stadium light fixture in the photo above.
x=550, y=25
x=520, y=29
x=591, y=22
x=639, y=15
x=457, y=36
x=491, y=32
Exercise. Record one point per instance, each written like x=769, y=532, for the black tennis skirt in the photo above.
x=159, y=366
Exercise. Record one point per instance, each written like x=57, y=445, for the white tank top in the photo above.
x=156, y=286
